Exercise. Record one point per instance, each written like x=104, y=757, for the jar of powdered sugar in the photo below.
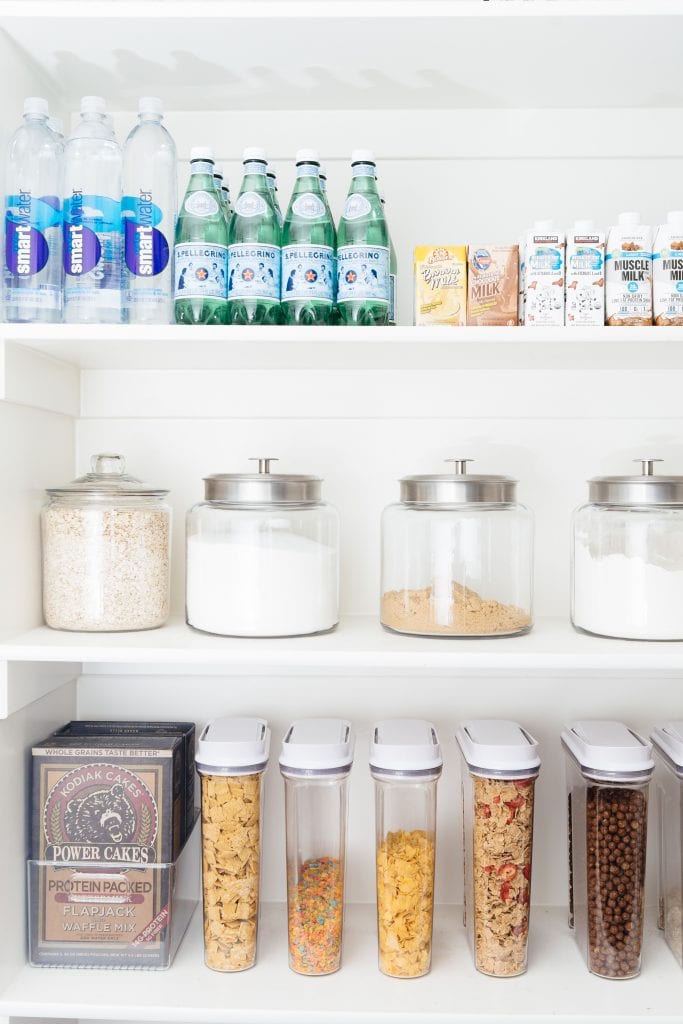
x=262, y=556
x=627, y=557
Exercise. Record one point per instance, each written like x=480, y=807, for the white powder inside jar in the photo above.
x=281, y=585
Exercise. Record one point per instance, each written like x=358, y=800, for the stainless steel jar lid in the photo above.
x=262, y=488
x=644, y=489
x=457, y=488
x=107, y=478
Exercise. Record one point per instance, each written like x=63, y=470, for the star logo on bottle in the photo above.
x=351, y=276
x=201, y=273
x=248, y=274
x=311, y=276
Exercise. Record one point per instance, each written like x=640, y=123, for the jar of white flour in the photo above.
x=262, y=556
x=627, y=557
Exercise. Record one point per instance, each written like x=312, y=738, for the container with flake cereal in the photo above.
x=405, y=761
x=441, y=285
x=500, y=766
x=232, y=754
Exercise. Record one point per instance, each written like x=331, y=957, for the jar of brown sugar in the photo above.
x=609, y=768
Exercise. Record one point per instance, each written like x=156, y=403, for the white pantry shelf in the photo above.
x=557, y=985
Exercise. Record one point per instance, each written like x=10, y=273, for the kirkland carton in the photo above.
x=545, y=265
x=667, y=271
x=441, y=284
x=493, y=285
x=628, y=273
x=585, y=301
x=521, y=305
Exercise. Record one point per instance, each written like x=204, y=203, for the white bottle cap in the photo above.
x=675, y=219
x=56, y=125
x=492, y=747
x=254, y=153
x=630, y=219
x=218, y=171
x=610, y=750
x=201, y=153
x=35, y=105
x=317, y=745
x=307, y=156
x=233, y=746
x=93, y=105
x=584, y=227
x=150, y=105
x=362, y=156
x=323, y=172
x=543, y=227
x=405, y=746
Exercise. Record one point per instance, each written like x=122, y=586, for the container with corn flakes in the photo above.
x=405, y=762
x=441, y=285
x=500, y=764
x=231, y=757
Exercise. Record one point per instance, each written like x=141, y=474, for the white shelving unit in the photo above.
x=483, y=116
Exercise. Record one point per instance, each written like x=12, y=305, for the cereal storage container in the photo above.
x=608, y=773
x=262, y=556
x=457, y=557
x=627, y=560
x=405, y=762
x=231, y=757
x=315, y=762
x=106, y=551
x=500, y=764
x=668, y=746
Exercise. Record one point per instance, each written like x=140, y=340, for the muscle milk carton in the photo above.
x=585, y=297
x=545, y=253
x=628, y=273
x=667, y=271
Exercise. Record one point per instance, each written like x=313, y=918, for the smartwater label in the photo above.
x=253, y=271
x=307, y=272
x=146, y=248
x=32, y=229
x=201, y=271
x=92, y=250
x=363, y=273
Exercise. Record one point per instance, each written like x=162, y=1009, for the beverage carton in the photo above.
x=628, y=273
x=440, y=284
x=585, y=300
x=492, y=285
x=545, y=266
x=667, y=271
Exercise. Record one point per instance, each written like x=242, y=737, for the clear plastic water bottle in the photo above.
x=92, y=219
x=254, y=248
x=272, y=185
x=393, y=270
x=363, y=264
x=33, y=220
x=148, y=210
x=201, y=248
x=308, y=246
x=56, y=126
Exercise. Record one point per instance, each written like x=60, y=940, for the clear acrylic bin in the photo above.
x=667, y=741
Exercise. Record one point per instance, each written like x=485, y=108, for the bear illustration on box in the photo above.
x=104, y=816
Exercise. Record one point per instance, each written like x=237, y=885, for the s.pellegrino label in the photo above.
x=201, y=270
x=308, y=272
x=363, y=273
x=253, y=271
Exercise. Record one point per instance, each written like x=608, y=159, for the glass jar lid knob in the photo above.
x=263, y=463
x=459, y=465
x=108, y=464
x=647, y=466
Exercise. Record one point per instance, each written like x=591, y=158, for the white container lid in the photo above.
x=675, y=219
x=307, y=156
x=233, y=746
x=630, y=219
x=201, y=153
x=317, y=746
x=543, y=227
x=493, y=747
x=36, y=105
x=608, y=750
x=668, y=741
x=362, y=156
x=150, y=105
x=93, y=105
x=405, y=746
x=583, y=227
x=254, y=153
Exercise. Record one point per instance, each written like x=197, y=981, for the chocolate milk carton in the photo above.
x=667, y=271
x=585, y=299
x=628, y=273
x=545, y=265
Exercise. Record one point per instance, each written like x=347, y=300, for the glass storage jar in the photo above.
x=106, y=551
x=315, y=762
x=667, y=741
x=500, y=764
x=457, y=557
x=406, y=763
x=262, y=556
x=231, y=757
x=608, y=771
x=627, y=557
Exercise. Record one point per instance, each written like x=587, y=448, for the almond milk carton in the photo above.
x=628, y=273
x=544, y=259
x=585, y=299
x=667, y=271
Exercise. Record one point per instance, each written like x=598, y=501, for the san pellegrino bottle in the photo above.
x=323, y=188
x=308, y=246
x=393, y=271
x=363, y=249
x=148, y=210
x=33, y=220
x=254, y=248
x=201, y=248
x=272, y=185
x=92, y=219
x=227, y=206
x=218, y=182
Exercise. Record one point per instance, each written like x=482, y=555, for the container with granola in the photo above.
x=667, y=741
x=500, y=766
x=231, y=757
x=315, y=762
x=405, y=762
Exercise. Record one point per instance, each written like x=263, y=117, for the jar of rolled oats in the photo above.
x=231, y=757
x=500, y=764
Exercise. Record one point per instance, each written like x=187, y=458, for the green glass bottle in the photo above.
x=308, y=246
x=227, y=206
x=272, y=185
x=363, y=264
x=254, y=248
x=201, y=248
x=393, y=270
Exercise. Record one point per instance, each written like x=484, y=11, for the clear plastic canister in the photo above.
x=608, y=773
x=315, y=762
x=231, y=756
x=405, y=762
x=500, y=765
x=668, y=746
